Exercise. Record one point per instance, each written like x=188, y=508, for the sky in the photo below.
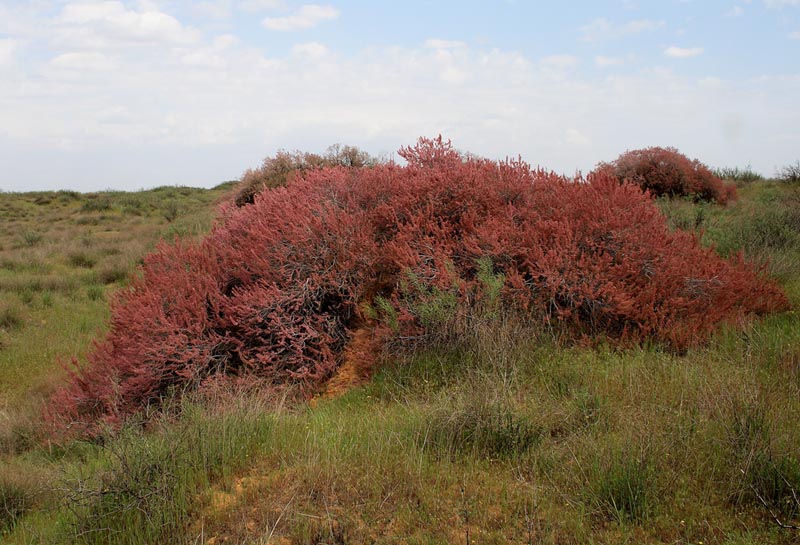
x=131, y=94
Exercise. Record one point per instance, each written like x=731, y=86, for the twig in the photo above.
x=771, y=512
x=278, y=520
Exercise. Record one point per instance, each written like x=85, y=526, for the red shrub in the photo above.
x=277, y=171
x=665, y=171
x=276, y=287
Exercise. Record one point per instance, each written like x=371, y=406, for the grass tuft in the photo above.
x=11, y=317
x=622, y=487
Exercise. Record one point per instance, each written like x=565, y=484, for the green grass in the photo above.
x=738, y=175
x=55, y=272
x=504, y=436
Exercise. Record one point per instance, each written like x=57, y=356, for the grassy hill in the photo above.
x=505, y=436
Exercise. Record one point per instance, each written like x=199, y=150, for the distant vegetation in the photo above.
x=484, y=421
x=736, y=174
x=790, y=173
x=284, y=166
x=667, y=172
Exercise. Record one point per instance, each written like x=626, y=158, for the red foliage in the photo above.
x=279, y=170
x=276, y=287
x=665, y=171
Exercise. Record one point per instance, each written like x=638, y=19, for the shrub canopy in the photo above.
x=667, y=172
x=279, y=169
x=276, y=287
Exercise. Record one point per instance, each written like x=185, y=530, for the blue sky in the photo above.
x=132, y=94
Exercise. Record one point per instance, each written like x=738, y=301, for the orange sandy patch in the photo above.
x=360, y=357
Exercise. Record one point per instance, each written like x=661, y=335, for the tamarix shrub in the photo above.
x=276, y=288
x=667, y=172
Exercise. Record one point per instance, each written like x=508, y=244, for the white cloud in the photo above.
x=99, y=24
x=86, y=12
x=435, y=43
x=260, y=5
x=8, y=48
x=576, y=138
x=602, y=29
x=735, y=11
x=795, y=35
x=308, y=16
x=604, y=62
x=311, y=51
x=201, y=112
x=682, y=52
x=83, y=61
x=211, y=56
x=559, y=62
x=215, y=9
x=711, y=82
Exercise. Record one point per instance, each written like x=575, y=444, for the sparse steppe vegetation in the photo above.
x=498, y=432
x=61, y=254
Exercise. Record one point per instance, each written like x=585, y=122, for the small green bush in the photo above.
x=95, y=292
x=790, y=173
x=776, y=482
x=82, y=259
x=96, y=203
x=623, y=487
x=589, y=410
x=15, y=500
x=86, y=220
x=746, y=428
x=736, y=174
x=112, y=273
x=171, y=210
x=67, y=195
x=481, y=428
x=10, y=317
x=26, y=296
x=279, y=170
x=30, y=238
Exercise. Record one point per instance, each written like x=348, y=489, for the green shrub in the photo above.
x=279, y=170
x=589, y=410
x=26, y=296
x=790, y=173
x=477, y=427
x=86, y=220
x=30, y=238
x=746, y=428
x=96, y=203
x=112, y=273
x=15, y=500
x=776, y=483
x=95, y=292
x=82, y=259
x=684, y=214
x=66, y=195
x=132, y=204
x=10, y=317
x=171, y=210
x=623, y=487
x=47, y=299
x=736, y=174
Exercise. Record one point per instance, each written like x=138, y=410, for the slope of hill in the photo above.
x=504, y=436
